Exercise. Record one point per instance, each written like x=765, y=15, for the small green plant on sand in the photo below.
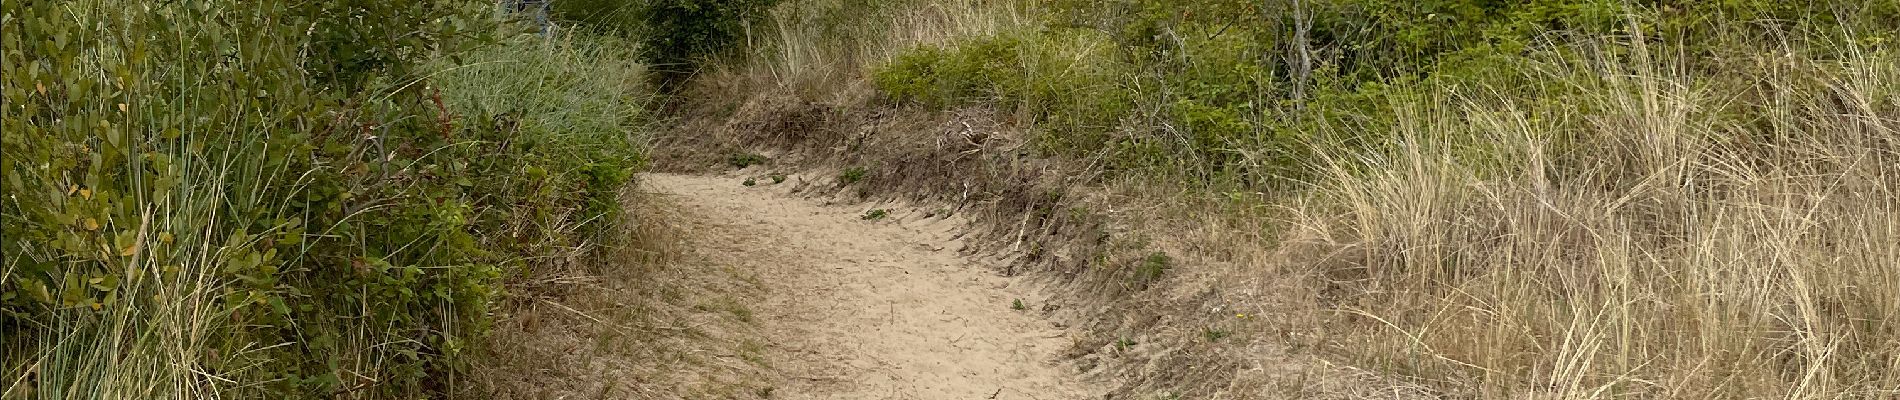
x=778, y=178
x=749, y=182
x=1215, y=334
x=1153, y=266
x=742, y=160
x=852, y=175
x=875, y=214
x=1018, y=306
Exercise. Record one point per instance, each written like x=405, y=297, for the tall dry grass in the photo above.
x=820, y=48
x=1611, y=217
x=159, y=249
x=1643, y=226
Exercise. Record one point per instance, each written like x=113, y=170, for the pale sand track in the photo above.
x=885, y=309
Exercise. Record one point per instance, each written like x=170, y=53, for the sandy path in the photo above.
x=884, y=309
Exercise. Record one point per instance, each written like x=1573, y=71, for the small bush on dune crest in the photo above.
x=1066, y=81
x=742, y=160
x=675, y=36
x=852, y=175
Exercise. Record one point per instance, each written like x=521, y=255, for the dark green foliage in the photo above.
x=616, y=16
x=1214, y=335
x=1065, y=80
x=852, y=175
x=1215, y=89
x=278, y=168
x=681, y=32
x=749, y=182
x=346, y=52
x=875, y=214
x=742, y=160
x=987, y=69
x=675, y=36
x=778, y=178
x=1152, y=267
x=1124, y=342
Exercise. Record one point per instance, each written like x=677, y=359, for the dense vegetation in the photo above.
x=1537, y=199
x=1487, y=199
x=1237, y=89
x=271, y=199
x=676, y=37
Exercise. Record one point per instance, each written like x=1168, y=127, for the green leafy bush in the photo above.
x=1215, y=91
x=573, y=108
x=675, y=35
x=852, y=175
x=682, y=31
x=276, y=199
x=742, y=160
x=1066, y=80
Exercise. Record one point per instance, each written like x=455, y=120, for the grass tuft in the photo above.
x=742, y=160
x=852, y=175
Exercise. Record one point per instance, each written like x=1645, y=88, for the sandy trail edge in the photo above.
x=884, y=309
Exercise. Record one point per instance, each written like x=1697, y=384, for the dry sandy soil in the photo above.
x=764, y=292
x=767, y=293
x=861, y=308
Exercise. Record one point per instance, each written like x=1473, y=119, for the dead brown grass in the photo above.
x=1667, y=252
x=1655, y=232
x=640, y=321
x=819, y=49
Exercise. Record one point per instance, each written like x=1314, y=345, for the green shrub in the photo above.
x=742, y=160
x=1067, y=80
x=1211, y=90
x=273, y=199
x=607, y=16
x=675, y=36
x=1152, y=267
x=852, y=175
x=681, y=32
x=1215, y=334
x=572, y=110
